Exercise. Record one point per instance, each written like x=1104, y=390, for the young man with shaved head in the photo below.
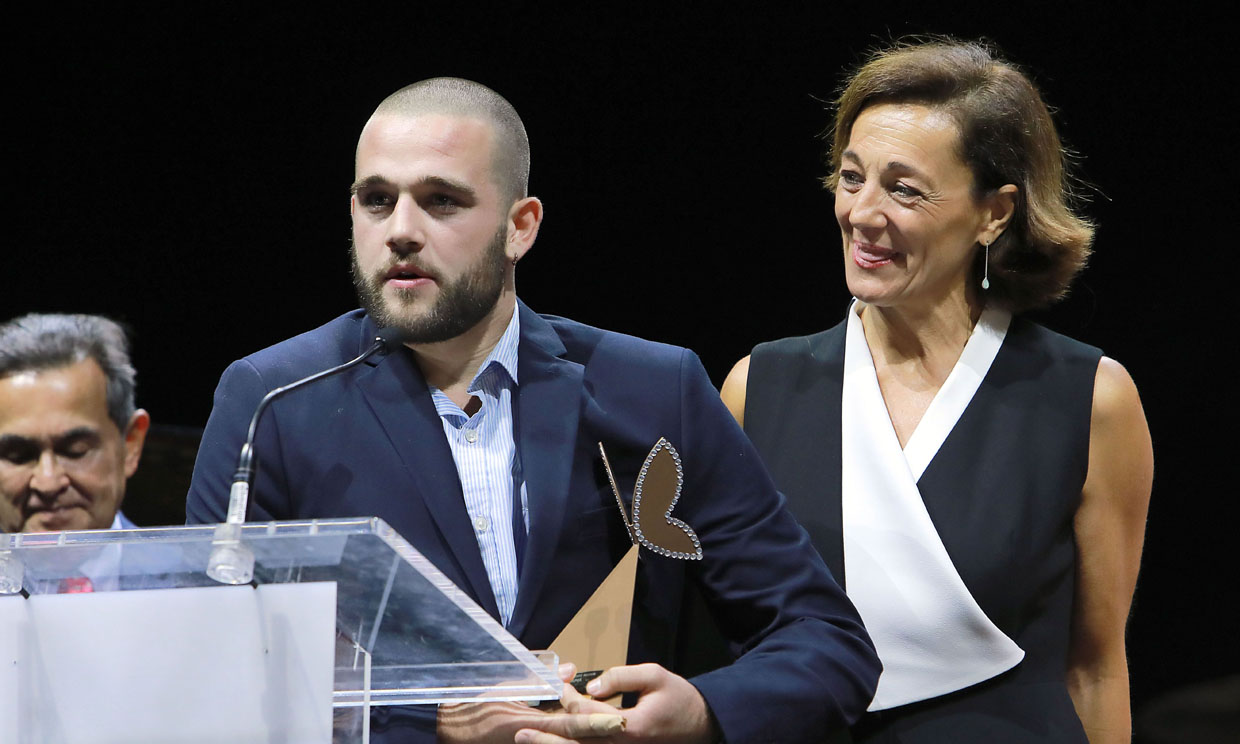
x=478, y=442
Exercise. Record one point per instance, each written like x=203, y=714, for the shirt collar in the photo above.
x=505, y=352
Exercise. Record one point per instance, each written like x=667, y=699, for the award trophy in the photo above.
x=597, y=638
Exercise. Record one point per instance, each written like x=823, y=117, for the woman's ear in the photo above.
x=1001, y=204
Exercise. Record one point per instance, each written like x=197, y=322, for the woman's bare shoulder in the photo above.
x=733, y=390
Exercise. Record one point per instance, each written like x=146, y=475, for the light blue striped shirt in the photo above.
x=486, y=461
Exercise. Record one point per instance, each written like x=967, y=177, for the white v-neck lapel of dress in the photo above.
x=930, y=633
x=957, y=390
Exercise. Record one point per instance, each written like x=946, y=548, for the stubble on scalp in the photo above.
x=510, y=156
x=460, y=305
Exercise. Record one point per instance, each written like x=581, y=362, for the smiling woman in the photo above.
x=978, y=483
x=1002, y=132
x=908, y=212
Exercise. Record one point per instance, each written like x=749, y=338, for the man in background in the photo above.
x=70, y=435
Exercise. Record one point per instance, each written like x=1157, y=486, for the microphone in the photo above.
x=230, y=561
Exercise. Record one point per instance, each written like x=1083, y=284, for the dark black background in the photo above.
x=188, y=175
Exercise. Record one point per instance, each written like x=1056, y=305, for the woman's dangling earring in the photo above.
x=986, y=267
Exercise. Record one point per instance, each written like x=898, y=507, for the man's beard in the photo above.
x=461, y=304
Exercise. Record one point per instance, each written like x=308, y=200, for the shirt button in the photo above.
x=482, y=523
x=471, y=435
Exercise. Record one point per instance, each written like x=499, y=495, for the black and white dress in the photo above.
x=958, y=549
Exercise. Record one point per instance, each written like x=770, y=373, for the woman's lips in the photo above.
x=869, y=256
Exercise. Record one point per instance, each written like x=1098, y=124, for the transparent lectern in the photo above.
x=120, y=635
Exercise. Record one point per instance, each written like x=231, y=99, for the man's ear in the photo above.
x=523, y=220
x=135, y=438
x=1002, y=205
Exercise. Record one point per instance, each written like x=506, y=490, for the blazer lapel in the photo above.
x=549, y=402
x=397, y=394
x=825, y=384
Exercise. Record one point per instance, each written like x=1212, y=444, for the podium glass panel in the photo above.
x=405, y=634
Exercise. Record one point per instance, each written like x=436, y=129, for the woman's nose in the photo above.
x=866, y=207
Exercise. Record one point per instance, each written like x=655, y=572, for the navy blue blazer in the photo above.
x=369, y=442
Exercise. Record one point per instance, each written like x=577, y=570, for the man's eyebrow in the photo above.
x=76, y=433
x=8, y=441
x=368, y=182
x=462, y=189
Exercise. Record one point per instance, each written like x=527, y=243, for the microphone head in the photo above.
x=392, y=338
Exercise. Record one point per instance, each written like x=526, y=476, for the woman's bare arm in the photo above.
x=1110, y=530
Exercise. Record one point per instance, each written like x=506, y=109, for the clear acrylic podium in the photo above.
x=403, y=633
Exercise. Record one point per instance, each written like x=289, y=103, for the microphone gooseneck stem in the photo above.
x=239, y=493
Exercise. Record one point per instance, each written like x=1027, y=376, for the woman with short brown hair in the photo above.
x=978, y=483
